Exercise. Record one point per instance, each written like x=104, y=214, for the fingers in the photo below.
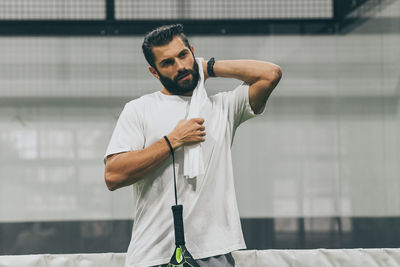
x=198, y=120
x=197, y=139
x=190, y=131
x=198, y=132
x=201, y=133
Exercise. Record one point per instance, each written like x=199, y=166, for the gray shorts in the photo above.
x=225, y=260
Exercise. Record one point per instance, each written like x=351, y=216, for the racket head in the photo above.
x=182, y=258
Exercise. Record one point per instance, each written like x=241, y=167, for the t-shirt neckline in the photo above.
x=174, y=96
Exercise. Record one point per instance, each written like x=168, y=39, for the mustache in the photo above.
x=183, y=73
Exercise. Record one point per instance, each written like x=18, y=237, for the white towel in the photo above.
x=193, y=157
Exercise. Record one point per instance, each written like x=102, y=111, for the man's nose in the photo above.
x=179, y=64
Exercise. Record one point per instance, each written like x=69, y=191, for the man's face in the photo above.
x=176, y=67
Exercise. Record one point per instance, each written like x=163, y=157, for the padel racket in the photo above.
x=181, y=256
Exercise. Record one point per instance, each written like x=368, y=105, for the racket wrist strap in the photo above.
x=169, y=144
x=173, y=167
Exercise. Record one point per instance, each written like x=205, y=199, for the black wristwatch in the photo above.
x=210, y=67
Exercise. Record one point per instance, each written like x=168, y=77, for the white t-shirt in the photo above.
x=210, y=214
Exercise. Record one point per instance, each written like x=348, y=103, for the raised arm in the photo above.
x=260, y=75
x=127, y=168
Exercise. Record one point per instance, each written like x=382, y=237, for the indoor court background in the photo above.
x=320, y=168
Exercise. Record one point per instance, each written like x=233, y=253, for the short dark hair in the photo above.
x=161, y=36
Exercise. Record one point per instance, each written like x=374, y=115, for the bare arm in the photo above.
x=262, y=77
x=127, y=168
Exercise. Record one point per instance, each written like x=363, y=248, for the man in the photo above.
x=138, y=154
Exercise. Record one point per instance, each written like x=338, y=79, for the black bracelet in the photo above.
x=210, y=67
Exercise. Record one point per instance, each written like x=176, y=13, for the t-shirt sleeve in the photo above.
x=239, y=105
x=128, y=133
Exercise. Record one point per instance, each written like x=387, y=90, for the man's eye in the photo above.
x=168, y=62
x=183, y=54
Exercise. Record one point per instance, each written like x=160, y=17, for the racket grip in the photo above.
x=178, y=225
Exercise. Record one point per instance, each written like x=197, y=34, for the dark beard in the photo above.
x=175, y=88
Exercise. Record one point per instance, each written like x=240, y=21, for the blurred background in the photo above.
x=319, y=169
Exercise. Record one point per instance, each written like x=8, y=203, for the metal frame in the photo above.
x=113, y=27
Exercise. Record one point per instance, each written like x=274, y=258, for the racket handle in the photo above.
x=178, y=225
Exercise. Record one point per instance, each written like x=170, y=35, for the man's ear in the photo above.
x=154, y=72
x=192, y=48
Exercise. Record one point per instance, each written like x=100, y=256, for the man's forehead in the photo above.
x=169, y=50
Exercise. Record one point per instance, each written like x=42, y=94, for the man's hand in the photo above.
x=187, y=132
